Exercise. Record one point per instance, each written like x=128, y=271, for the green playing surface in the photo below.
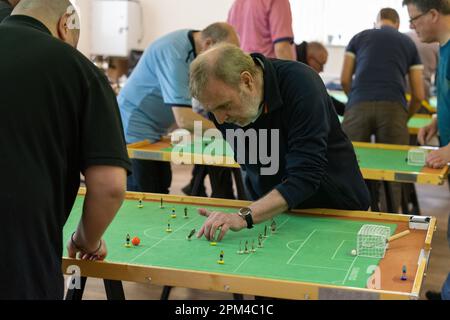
x=308, y=249
x=417, y=123
x=342, y=97
x=368, y=158
x=413, y=123
x=208, y=146
x=383, y=159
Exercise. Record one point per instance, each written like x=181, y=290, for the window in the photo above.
x=335, y=22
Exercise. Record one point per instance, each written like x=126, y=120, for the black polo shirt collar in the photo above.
x=26, y=21
x=272, y=95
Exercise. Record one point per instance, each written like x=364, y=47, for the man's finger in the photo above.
x=204, y=212
x=214, y=227
x=201, y=232
x=223, y=231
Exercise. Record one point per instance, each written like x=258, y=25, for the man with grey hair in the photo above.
x=6, y=7
x=156, y=97
x=317, y=166
x=59, y=118
x=431, y=21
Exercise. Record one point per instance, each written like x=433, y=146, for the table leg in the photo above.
x=166, y=293
x=389, y=197
x=76, y=294
x=198, y=180
x=373, y=190
x=114, y=290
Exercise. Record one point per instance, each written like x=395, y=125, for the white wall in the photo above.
x=163, y=16
x=83, y=7
x=334, y=64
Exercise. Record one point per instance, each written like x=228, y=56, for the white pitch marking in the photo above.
x=240, y=265
x=287, y=245
x=298, y=250
x=334, y=255
x=144, y=252
x=349, y=270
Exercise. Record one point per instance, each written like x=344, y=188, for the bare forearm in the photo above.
x=414, y=106
x=186, y=119
x=104, y=196
x=268, y=207
x=284, y=51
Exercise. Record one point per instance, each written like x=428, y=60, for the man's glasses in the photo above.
x=411, y=21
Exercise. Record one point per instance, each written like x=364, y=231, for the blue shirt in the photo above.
x=159, y=81
x=383, y=58
x=443, y=94
x=317, y=164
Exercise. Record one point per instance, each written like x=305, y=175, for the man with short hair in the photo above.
x=431, y=20
x=156, y=96
x=380, y=59
x=58, y=118
x=264, y=26
x=6, y=7
x=315, y=165
x=315, y=55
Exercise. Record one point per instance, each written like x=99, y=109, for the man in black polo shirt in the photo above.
x=59, y=116
x=6, y=7
x=317, y=166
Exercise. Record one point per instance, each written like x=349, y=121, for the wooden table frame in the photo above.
x=424, y=176
x=146, y=151
x=115, y=272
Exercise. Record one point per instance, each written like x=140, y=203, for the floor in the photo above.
x=434, y=200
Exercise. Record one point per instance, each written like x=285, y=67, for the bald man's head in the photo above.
x=317, y=56
x=59, y=16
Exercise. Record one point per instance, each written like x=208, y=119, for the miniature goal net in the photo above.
x=372, y=240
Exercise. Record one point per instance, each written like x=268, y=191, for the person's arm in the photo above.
x=348, y=70
x=306, y=161
x=284, y=50
x=427, y=133
x=262, y=210
x=417, y=90
x=282, y=34
x=185, y=118
x=439, y=158
x=106, y=186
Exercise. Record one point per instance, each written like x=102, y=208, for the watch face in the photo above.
x=245, y=211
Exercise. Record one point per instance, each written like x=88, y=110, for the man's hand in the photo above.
x=426, y=133
x=86, y=254
x=216, y=220
x=439, y=158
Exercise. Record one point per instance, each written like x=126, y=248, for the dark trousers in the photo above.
x=388, y=122
x=220, y=178
x=150, y=176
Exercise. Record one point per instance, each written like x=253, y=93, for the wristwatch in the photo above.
x=246, y=214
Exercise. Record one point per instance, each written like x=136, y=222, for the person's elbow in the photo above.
x=107, y=181
x=284, y=51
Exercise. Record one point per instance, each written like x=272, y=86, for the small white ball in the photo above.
x=354, y=252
